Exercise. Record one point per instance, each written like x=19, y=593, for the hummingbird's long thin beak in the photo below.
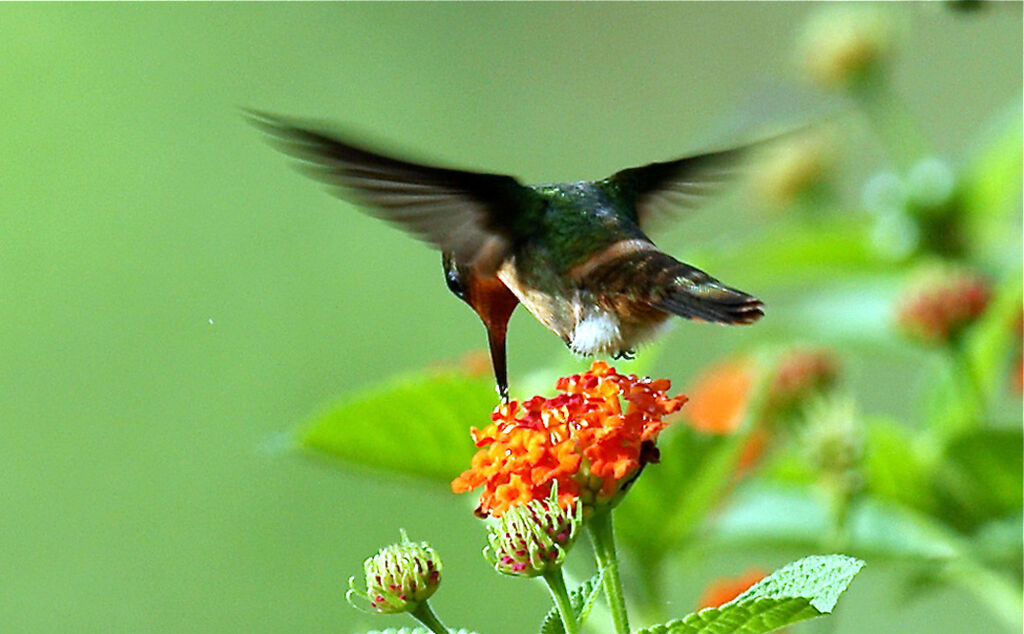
x=494, y=303
x=496, y=341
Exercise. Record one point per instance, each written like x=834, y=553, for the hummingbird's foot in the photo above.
x=627, y=355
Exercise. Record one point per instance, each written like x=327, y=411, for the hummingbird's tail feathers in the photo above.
x=724, y=306
x=638, y=281
x=694, y=294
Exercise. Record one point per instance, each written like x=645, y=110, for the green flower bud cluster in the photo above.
x=399, y=577
x=533, y=538
x=840, y=47
x=833, y=444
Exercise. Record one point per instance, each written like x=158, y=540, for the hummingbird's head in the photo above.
x=488, y=296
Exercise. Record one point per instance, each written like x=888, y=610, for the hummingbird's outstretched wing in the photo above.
x=471, y=215
x=683, y=183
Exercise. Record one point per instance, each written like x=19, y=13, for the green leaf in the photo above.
x=581, y=599
x=803, y=252
x=892, y=467
x=979, y=479
x=991, y=182
x=990, y=340
x=802, y=590
x=818, y=578
x=978, y=368
x=786, y=517
x=416, y=425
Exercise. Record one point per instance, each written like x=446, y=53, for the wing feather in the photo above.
x=469, y=214
x=684, y=183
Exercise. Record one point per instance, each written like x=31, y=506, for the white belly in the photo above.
x=598, y=332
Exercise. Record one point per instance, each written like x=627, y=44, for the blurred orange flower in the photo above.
x=475, y=363
x=752, y=451
x=725, y=589
x=1017, y=375
x=720, y=397
x=581, y=439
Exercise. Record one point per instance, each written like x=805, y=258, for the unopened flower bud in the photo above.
x=841, y=46
x=942, y=303
x=792, y=169
x=801, y=373
x=398, y=578
x=833, y=443
x=533, y=538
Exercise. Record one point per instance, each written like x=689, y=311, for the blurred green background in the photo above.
x=175, y=300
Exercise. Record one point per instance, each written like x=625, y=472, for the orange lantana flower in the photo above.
x=592, y=439
x=721, y=395
x=725, y=589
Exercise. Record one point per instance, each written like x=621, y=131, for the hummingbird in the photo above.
x=574, y=254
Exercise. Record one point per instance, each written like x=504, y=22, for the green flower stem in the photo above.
x=970, y=404
x=1001, y=594
x=968, y=376
x=426, y=616
x=839, y=498
x=651, y=573
x=556, y=584
x=601, y=535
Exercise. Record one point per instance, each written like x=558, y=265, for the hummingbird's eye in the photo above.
x=454, y=282
x=453, y=277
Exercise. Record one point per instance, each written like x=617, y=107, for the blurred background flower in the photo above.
x=942, y=303
x=725, y=589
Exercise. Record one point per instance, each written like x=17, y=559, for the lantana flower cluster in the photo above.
x=941, y=304
x=592, y=439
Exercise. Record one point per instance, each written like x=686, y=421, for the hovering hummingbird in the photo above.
x=574, y=254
